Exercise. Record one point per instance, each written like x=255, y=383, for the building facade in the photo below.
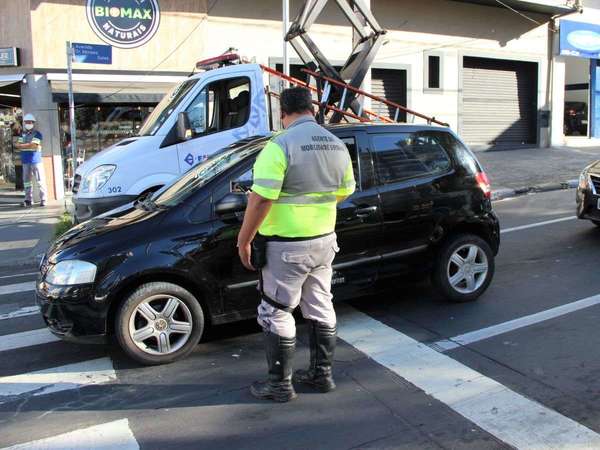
x=492, y=70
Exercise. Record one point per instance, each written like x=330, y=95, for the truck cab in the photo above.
x=203, y=114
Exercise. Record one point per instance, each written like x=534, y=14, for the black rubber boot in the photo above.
x=322, y=340
x=280, y=353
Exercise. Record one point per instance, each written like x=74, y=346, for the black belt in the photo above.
x=295, y=239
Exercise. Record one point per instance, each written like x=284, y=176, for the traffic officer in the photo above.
x=299, y=177
x=30, y=147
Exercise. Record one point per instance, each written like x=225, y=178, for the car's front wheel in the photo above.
x=464, y=268
x=159, y=323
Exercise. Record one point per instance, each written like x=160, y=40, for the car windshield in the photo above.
x=198, y=176
x=166, y=107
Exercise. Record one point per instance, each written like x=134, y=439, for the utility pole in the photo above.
x=286, y=26
x=72, y=107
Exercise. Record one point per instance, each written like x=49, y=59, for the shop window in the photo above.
x=222, y=105
x=100, y=126
x=433, y=71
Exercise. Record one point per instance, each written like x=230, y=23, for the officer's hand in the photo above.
x=245, y=251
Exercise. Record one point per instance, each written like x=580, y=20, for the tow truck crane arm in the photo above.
x=355, y=68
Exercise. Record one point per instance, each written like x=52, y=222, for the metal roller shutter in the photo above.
x=499, y=102
x=390, y=84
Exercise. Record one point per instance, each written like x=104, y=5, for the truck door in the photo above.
x=220, y=114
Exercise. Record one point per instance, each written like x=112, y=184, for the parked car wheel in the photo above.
x=464, y=268
x=159, y=323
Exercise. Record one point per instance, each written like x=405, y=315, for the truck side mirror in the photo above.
x=184, y=129
x=232, y=203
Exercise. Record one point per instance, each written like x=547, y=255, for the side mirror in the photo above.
x=232, y=203
x=184, y=129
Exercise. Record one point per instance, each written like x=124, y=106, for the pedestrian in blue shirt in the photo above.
x=30, y=146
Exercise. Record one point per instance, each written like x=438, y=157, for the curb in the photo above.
x=501, y=194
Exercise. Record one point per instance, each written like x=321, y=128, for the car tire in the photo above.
x=159, y=323
x=446, y=277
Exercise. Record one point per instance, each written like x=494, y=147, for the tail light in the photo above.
x=484, y=184
x=572, y=112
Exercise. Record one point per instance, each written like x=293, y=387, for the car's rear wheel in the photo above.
x=159, y=323
x=464, y=268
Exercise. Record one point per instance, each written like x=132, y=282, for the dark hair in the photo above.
x=296, y=100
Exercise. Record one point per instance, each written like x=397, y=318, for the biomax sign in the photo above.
x=124, y=23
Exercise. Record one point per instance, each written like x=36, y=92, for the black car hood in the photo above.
x=594, y=168
x=92, y=234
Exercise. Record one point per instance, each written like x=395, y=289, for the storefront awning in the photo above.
x=99, y=89
x=12, y=78
x=546, y=7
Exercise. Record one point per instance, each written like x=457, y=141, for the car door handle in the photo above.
x=365, y=212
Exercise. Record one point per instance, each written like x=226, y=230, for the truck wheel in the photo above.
x=464, y=268
x=159, y=323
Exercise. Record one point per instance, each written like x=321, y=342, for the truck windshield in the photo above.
x=166, y=107
x=203, y=173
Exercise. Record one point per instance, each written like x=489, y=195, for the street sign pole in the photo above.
x=72, y=107
x=286, y=25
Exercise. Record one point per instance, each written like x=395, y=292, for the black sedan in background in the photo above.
x=156, y=273
x=588, y=194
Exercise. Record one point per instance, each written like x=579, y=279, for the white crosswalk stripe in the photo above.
x=26, y=339
x=56, y=379
x=17, y=288
x=21, y=312
x=507, y=415
x=107, y=436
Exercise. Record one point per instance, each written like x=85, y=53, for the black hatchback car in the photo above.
x=588, y=194
x=157, y=272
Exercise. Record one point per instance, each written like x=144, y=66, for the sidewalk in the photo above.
x=25, y=233
x=515, y=172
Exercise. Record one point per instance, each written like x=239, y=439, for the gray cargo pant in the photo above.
x=31, y=172
x=298, y=273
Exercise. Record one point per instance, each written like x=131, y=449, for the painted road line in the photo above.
x=26, y=339
x=19, y=275
x=21, y=312
x=57, y=379
x=510, y=417
x=538, y=224
x=16, y=288
x=18, y=245
x=511, y=325
x=108, y=436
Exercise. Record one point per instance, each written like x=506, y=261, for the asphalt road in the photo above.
x=518, y=368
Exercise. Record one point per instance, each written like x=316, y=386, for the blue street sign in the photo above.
x=92, y=53
x=9, y=57
x=579, y=39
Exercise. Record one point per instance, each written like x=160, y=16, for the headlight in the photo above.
x=97, y=178
x=70, y=272
x=583, y=180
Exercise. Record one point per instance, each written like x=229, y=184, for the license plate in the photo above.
x=584, y=122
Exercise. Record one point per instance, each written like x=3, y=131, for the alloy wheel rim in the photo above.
x=467, y=268
x=160, y=325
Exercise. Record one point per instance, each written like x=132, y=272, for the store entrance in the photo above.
x=577, y=96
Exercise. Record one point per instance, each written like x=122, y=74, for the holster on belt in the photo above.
x=258, y=257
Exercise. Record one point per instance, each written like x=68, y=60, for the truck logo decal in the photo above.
x=124, y=23
x=189, y=159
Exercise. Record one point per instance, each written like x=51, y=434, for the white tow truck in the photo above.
x=227, y=101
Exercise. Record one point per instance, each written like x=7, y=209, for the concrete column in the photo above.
x=36, y=98
x=557, y=111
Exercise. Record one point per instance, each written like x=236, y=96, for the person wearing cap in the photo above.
x=30, y=146
x=299, y=177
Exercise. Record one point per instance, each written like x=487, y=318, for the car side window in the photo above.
x=350, y=143
x=402, y=156
x=463, y=155
x=242, y=182
x=220, y=106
